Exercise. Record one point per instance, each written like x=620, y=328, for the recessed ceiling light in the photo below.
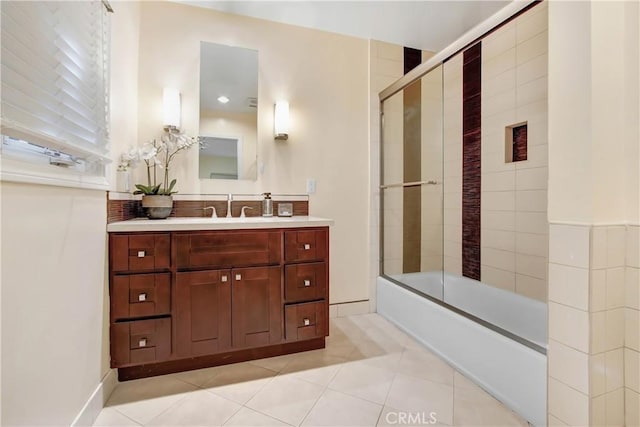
x=223, y=99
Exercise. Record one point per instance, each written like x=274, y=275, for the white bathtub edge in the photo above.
x=513, y=373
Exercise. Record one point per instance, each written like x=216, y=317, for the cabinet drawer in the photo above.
x=227, y=249
x=305, y=245
x=139, y=252
x=305, y=282
x=140, y=295
x=140, y=341
x=306, y=321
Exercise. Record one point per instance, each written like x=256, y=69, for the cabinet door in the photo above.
x=139, y=252
x=202, y=312
x=257, y=306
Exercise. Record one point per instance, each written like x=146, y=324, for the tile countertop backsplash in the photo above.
x=185, y=224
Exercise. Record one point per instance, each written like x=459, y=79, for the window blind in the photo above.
x=54, y=71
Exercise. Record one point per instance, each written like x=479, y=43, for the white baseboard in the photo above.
x=99, y=397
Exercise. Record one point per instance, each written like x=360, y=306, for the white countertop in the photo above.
x=186, y=224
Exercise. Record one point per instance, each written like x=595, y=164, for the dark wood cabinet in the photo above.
x=189, y=299
x=257, y=306
x=202, y=312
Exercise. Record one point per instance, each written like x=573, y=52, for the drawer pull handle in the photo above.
x=142, y=342
x=238, y=276
x=141, y=254
x=142, y=297
x=307, y=283
x=306, y=321
x=307, y=246
x=224, y=278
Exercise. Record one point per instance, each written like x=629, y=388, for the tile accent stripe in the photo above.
x=471, y=156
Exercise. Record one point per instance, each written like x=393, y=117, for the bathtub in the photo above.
x=507, y=359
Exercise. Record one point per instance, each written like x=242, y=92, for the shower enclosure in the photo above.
x=464, y=233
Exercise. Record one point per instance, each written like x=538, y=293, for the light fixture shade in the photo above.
x=281, y=120
x=171, y=107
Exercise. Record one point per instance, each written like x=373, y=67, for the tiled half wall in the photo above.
x=594, y=306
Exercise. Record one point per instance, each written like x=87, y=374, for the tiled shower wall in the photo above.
x=513, y=226
x=593, y=325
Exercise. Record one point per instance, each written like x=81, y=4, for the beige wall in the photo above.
x=53, y=292
x=219, y=123
x=323, y=77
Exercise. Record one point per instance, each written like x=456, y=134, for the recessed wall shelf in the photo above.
x=515, y=143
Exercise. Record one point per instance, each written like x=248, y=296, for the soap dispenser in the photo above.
x=267, y=205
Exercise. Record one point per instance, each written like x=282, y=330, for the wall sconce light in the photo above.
x=171, y=109
x=281, y=120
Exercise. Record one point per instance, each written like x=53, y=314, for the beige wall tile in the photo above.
x=498, y=181
x=532, y=222
x=533, y=91
x=498, y=42
x=499, y=63
x=615, y=297
x=632, y=288
x=503, y=260
x=553, y=421
x=569, y=245
x=500, y=83
x=599, y=247
x=569, y=286
x=632, y=407
x=531, y=70
x=616, y=246
x=597, y=374
x=598, y=332
x=532, y=48
x=614, y=363
x=615, y=408
x=569, y=366
x=567, y=404
x=615, y=328
x=498, y=220
x=532, y=179
x=632, y=369
x=532, y=244
x=532, y=24
x=569, y=326
x=632, y=328
x=633, y=246
x=498, y=278
x=598, y=411
x=504, y=101
x=388, y=50
x=532, y=287
x=537, y=155
x=531, y=200
x=497, y=239
x=598, y=285
x=533, y=266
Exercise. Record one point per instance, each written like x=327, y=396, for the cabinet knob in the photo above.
x=224, y=278
x=307, y=283
x=142, y=342
x=238, y=276
x=306, y=321
x=142, y=297
x=141, y=254
x=307, y=246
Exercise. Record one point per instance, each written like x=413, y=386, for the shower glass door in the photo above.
x=411, y=185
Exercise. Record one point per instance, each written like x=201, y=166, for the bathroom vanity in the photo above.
x=188, y=293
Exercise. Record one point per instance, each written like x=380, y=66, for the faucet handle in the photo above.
x=242, y=212
x=213, y=211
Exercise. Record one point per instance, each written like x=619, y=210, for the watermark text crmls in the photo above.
x=410, y=418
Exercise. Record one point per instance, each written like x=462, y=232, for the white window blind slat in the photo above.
x=54, y=65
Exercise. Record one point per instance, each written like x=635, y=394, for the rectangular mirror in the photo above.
x=228, y=112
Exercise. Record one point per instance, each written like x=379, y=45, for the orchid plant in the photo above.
x=158, y=154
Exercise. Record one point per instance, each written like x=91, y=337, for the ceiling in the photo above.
x=428, y=25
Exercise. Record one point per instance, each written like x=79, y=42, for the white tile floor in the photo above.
x=370, y=374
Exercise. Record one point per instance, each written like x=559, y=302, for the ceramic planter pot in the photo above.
x=157, y=207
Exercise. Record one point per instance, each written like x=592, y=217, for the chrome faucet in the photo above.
x=213, y=211
x=242, y=215
x=229, y=198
